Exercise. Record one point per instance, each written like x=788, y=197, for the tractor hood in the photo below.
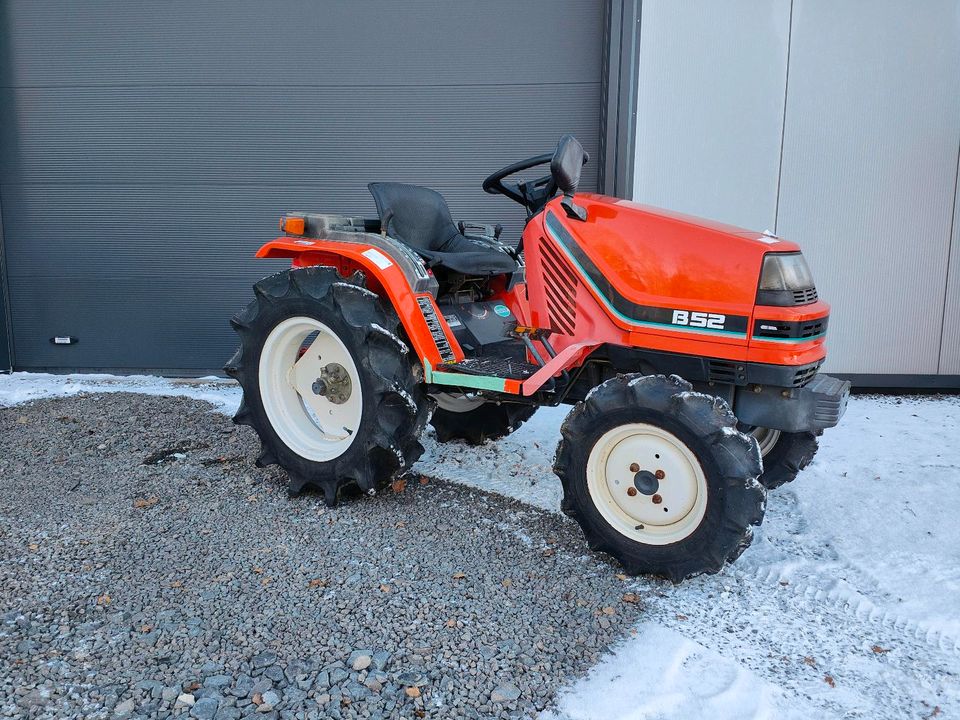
x=656, y=257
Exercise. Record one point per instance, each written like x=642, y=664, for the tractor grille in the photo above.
x=725, y=371
x=813, y=328
x=560, y=289
x=790, y=330
x=805, y=296
x=805, y=374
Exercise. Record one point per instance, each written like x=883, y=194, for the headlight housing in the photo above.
x=785, y=280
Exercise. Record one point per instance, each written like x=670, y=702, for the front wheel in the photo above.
x=475, y=419
x=784, y=454
x=658, y=476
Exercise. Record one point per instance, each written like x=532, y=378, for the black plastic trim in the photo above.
x=696, y=368
x=785, y=376
x=790, y=329
x=787, y=298
x=818, y=405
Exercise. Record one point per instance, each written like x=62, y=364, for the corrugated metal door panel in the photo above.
x=710, y=108
x=451, y=137
x=950, y=342
x=350, y=44
x=869, y=162
x=146, y=150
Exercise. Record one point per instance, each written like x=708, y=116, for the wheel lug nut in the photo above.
x=631, y=491
x=657, y=499
x=634, y=467
x=660, y=474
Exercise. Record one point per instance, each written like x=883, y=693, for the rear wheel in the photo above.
x=784, y=454
x=475, y=419
x=658, y=476
x=327, y=384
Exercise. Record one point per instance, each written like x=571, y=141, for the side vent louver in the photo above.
x=805, y=296
x=806, y=374
x=724, y=371
x=560, y=285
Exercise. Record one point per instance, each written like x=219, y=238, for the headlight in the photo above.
x=785, y=280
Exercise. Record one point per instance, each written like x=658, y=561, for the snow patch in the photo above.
x=20, y=387
x=661, y=674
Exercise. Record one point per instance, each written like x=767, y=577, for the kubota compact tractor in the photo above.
x=688, y=349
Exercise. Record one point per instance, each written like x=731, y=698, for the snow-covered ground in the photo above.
x=846, y=605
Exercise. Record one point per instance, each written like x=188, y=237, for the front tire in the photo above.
x=475, y=420
x=784, y=454
x=327, y=383
x=658, y=476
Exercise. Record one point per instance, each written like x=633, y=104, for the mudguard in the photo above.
x=392, y=272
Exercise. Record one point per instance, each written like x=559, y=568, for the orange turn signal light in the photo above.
x=293, y=225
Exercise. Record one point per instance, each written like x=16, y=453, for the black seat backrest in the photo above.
x=417, y=216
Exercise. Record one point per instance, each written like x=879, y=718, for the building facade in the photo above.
x=836, y=125
x=146, y=150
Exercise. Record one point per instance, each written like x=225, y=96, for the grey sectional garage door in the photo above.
x=147, y=149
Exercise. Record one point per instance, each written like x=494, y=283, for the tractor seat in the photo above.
x=419, y=217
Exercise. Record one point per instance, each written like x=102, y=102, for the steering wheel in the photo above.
x=517, y=191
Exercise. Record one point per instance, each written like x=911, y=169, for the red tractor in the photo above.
x=688, y=349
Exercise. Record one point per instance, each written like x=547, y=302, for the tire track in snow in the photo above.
x=807, y=567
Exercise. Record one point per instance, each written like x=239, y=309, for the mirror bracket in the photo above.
x=573, y=211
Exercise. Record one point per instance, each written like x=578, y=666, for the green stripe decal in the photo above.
x=481, y=382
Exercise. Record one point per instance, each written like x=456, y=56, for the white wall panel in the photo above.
x=869, y=167
x=710, y=107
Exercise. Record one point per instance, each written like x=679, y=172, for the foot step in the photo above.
x=492, y=367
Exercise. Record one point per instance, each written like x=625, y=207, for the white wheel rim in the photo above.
x=311, y=425
x=647, y=506
x=766, y=438
x=458, y=402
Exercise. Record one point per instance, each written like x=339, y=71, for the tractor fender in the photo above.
x=388, y=276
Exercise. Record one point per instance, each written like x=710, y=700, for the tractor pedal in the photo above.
x=493, y=367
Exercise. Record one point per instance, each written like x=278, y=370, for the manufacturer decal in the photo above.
x=436, y=330
x=502, y=310
x=696, y=319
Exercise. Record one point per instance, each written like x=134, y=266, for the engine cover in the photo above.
x=479, y=324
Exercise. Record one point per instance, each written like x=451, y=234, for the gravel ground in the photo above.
x=191, y=585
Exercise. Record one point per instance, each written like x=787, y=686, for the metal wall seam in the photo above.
x=618, y=111
x=6, y=334
x=949, y=360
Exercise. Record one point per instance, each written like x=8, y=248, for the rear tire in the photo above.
x=327, y=383
x=658, y=476
x=460, y=417
x=784, y=454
